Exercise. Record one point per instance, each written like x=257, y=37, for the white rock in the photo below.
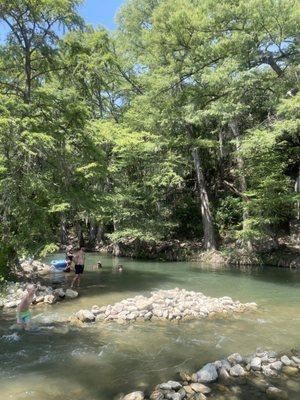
x=237, y=370
x=50, y=299
x=276, y=365
x=235, y=358
x=296, y=359
x=207, y=374
x=85, y=316
x=134, y=396
x=170, y=385
x=256, y=364
x=71, y=294
x=285, y=360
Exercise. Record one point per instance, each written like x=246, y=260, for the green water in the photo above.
x=102, y=360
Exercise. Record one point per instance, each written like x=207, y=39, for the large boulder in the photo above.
x=207, y=374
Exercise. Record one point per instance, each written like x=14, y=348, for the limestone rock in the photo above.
x=156, y=395
x=289, y=370
x=237, y=370
x=276, y=365
x=285, y=360
x=207, y=374
x=200, y=388
x=85, y=316
x=134, y=396
x=235, y=358
x=256, y=363
x=273, y=392
x=50, y=299
x=71, y=294
x=170, y=385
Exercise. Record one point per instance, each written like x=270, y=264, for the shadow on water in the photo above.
x=281, y=276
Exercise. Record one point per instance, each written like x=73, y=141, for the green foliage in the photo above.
x=97, y=130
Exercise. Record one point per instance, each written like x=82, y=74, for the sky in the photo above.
x=94, y=12
x=100, y=12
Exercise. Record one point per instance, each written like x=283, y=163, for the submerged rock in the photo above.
x=273, y=392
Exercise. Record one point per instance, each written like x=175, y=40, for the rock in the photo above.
x=60, y=293
x=285, y=360
x=296, y=359
x=38, y=299
x=170, y=385
x=100, y=317
x=50, y=299
x=277, y=365
x=256, y=364
x=75, y=321
x=223, y=374
x=235, y=358
x=226, y=364
x=273, y=392
x=85, y=316
x=237, y=370
x=207, y=374
x=156, y=395
x=71, y=294
x=200, y=388
x=134, y=396
x=267, y=371
x=96, y=310
x=289, y=370
x=11, y=304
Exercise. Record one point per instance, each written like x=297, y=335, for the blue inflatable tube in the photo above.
x=59, y=264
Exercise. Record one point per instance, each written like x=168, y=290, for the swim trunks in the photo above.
x=24, y=317
x=79, y=269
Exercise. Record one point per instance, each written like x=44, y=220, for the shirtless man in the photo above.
x=79, y=266
x=23, y=313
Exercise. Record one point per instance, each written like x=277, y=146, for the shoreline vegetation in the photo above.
x=284, y=255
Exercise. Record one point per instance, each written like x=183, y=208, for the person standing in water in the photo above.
x=23, y=312
x=79, y=266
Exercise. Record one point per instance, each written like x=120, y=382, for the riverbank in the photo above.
x=285, y=255
x=13, y=292
x=262, y=375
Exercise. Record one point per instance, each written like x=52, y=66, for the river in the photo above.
x=98, y=362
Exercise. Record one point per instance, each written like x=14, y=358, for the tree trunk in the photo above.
x=63, y=230
x=210, y=242
x=93, y=230
x=242, y=180
x=297, y=190
x=79, y=234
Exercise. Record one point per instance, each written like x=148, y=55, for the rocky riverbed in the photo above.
x=172, y=305
x=12, y=293
x=259, y=374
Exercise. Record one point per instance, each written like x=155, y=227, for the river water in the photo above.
x=98, y=362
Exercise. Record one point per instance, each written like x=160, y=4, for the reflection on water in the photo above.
x=56, y=361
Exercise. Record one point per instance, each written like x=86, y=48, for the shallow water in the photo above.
x=100, y=361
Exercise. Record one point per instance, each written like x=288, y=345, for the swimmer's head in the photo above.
x=30, y=289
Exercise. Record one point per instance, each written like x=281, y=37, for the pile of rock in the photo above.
x=14, y=291
x=35, y=268
x=254, y=369
x=176, y=304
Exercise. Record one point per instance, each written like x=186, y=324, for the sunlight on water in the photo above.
x=57, y=361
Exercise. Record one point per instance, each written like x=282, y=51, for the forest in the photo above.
x=183, y=123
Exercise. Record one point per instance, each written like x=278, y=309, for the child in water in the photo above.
x=23, y=313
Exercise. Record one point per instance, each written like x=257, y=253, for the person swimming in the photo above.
x=120, y=268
